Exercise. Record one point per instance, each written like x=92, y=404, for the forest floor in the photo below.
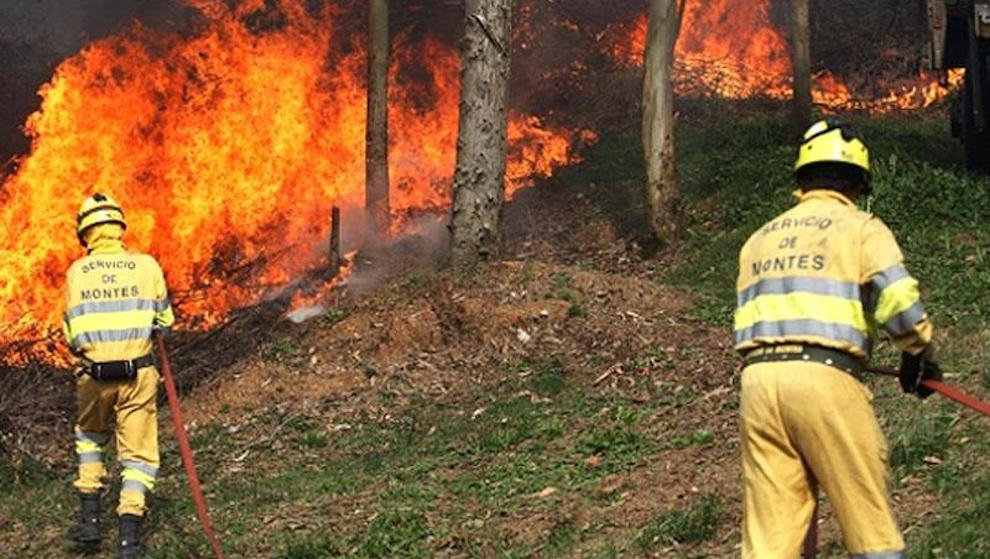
x=577, y=398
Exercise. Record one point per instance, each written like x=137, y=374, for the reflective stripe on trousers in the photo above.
x=90, y=446
x=138, y=476
x=880, y=555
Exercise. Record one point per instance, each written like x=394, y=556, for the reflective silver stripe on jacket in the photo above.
x=116, y=306
x=904, y=321
x=803, y=284
x=121, y=335
x=146, y=469
x=880, y=555
x=887, y=277
x=804, y=327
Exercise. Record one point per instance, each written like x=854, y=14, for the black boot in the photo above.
x=87, y=530
x=130, y=537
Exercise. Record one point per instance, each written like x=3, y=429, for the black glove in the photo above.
x=914, y=369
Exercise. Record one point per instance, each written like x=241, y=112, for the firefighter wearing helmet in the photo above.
x=116, y=301
x=815, y=284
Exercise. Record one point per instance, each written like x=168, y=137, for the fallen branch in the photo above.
x=617, y=368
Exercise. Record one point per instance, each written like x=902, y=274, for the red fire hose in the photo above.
x=184, y=448
x=944, y=389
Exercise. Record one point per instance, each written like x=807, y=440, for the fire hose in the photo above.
x=944, y=389
x=810, y=547
x=184, y=448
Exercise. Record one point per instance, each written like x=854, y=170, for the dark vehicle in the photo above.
x=961, y=39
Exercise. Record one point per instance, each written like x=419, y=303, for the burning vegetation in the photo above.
x=713, y=60
x=228, y=147
x=228, y=139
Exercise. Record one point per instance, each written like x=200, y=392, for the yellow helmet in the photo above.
x=831, y=141
x=96, y=210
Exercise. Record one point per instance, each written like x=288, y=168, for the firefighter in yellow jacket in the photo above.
x=116, y=301
x=815, y=284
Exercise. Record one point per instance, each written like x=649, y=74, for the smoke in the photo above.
x=58, y=26
x=36, y=35
x=65, y=26
x=422, y=244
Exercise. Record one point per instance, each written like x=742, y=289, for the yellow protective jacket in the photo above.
x=115, y=300
x=827, y=273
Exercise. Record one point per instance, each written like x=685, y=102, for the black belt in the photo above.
x=109, y=371
x=816, y=354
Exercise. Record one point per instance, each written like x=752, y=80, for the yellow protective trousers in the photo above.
x=806, y=425
x=133, y=407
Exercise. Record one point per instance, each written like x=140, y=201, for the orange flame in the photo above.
x=227, y=150
x=730, y=48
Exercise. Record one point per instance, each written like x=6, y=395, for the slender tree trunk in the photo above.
x=662, y=194
x=376, y=139
x=481, y=137
x=801, y=62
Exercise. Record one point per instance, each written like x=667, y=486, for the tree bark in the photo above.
x=376, y=139
x=801, y=62
x=479, y=180
x=663, y=199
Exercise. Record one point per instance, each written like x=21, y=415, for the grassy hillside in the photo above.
x=577, y=400
x=736, y=176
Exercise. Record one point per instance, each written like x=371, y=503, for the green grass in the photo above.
x=333, y=316
x=925, y=437
x=548, y=379
x=318, y=547
x=374, y=490
x=281, y=347
x=736, y=175
x=963, y=534
x=698, y=522
x=740, y=174
x=577, y=310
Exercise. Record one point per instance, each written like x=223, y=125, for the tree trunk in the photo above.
x=479, y=180
x=376, y=138
x=662, y=195
x=801, y=62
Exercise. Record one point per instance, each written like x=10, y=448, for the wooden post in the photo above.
x=335, y=260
